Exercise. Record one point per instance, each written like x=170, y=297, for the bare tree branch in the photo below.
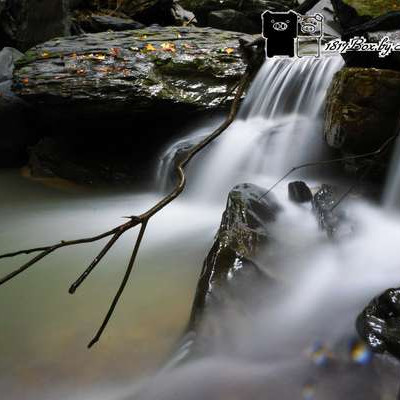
x=134, y=221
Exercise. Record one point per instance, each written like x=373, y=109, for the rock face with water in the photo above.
x=231, y=262
x=151, y=70
x=362, y=109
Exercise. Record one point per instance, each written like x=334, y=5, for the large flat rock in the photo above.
x=147, y=70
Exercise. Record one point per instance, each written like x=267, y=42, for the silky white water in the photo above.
x=392, y=189
x=279, y=126
x=265, y=351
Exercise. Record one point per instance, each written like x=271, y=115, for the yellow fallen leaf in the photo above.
x=229, y=50
x=45, y=54
x=168, y=47
x=150, y=47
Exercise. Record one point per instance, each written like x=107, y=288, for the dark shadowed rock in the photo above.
x=232, y=20
x=25, y=23
x=249, y=9
x=94, y=23
x=83, y=161
x=15, y=133
x=299, y=192
x=17, y=128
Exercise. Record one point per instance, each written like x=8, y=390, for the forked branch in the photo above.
x=133, y=221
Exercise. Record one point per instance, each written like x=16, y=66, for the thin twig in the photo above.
x=334, y=161
x=134, y=221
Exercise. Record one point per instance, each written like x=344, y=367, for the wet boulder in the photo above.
x=25, y=23
x=362, y=110
x=379, y=323
x=299, y=192
x=153, y=70
x=232, y=261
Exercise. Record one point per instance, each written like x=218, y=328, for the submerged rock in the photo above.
x=362, y=109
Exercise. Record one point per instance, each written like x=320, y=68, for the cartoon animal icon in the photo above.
x=310, y=31
x=280, y=32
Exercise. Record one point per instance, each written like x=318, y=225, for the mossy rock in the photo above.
x=373, y=8
x=362, y=108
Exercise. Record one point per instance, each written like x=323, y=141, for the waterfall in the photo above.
x=391, y=197
x=279, y=126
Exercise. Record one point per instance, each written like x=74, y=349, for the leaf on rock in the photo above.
x=168, y=47
x=229, y=50
x=150, y=47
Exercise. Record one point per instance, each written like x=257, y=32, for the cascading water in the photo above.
x=391, y=196
x=279, y=350
x=279, y=126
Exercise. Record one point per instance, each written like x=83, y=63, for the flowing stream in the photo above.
x=278, y=349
